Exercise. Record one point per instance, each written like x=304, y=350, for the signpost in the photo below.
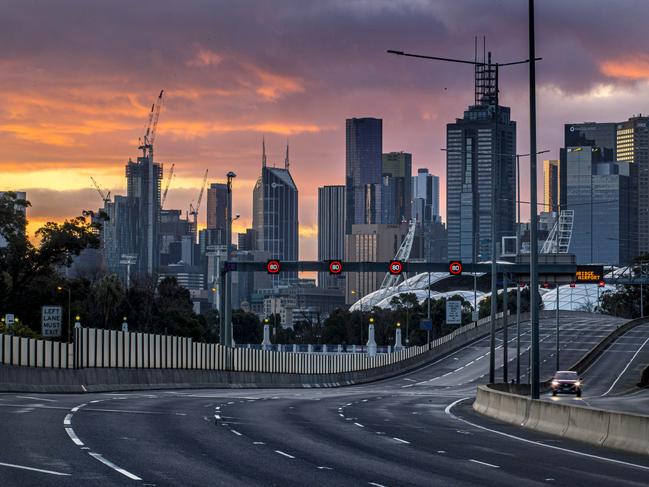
x=453, y=312
x=395, y=267
x=9, y=321
x=335, y=267
x=51, y=321
x=589, y=274
x=273, y=266
x=455, y=268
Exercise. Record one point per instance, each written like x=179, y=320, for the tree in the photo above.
x=107, y=299
x=28, y=274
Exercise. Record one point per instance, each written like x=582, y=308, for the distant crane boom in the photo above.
x=164, y=194
x=146, y=142
x=105, y=196
x=193, y=210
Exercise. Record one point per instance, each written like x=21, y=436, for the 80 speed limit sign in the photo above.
x=395, y=267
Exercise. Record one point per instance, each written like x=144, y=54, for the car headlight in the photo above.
x=578, y=384
x=555, y=382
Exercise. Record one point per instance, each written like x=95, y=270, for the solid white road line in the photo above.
x=448, y=411
x=23, y=467
x=73, y=437
x=483, y=463
x=110, y=464
x=284, y=454
x=625, y=368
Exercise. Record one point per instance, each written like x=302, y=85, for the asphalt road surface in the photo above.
x=415, y=429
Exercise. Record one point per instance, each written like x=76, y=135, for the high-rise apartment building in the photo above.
x=217, y=197
x=275, y=213
x=396, y=174
x=363, y=165
x=331, y=231
x=425, y=197
x=143, y=192
x=632, y=139
x=551, y=185
x=480, y=159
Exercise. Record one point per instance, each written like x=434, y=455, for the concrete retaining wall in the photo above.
x=614, y=429
x=29, y=379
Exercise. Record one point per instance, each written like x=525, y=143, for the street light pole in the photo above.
x=227, y=314
x=534, y=277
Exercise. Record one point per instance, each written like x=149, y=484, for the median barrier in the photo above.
x=623, y=431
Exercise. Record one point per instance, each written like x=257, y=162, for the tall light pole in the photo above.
x=60, y=288
x=534, y=276
x=227, y=311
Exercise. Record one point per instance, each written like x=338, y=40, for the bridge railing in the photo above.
x=96, y=348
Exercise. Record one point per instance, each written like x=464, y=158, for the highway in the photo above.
x=611, y=382
x=415, y=429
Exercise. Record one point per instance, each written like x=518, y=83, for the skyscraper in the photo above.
x=632, y=138
x=331, y=231
x=481, y=143
x=551, y=185
x=425, y=197
x=275, y=213
x=396, y=172
x=363, y=161
x=143, y=195
x=598, y=191
x=587, y=134
x=217, y=196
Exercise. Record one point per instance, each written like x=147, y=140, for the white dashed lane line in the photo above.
x=284, y=454
x=110, y=464
x=484, y=463
x=401, y=441
x=73, y=437
x=236, y=432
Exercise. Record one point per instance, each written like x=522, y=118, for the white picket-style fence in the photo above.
x=110, y=348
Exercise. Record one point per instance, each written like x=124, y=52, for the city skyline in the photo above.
x=225, y=91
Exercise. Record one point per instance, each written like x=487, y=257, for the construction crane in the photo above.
x=146, y=142
x=105, y=196
x=194, y=210
x=164, y=194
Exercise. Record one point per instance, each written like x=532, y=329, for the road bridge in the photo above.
x=414, y=429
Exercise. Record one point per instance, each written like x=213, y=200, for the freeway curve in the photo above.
x=414, y=429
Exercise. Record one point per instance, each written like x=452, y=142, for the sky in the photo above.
x=78, y=78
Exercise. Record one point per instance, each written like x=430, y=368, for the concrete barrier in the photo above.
x=623, y=431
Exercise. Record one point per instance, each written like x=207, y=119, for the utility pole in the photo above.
x=227, y=308
x=505, y=325
x=534, y=276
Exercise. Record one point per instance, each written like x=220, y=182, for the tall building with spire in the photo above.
x=480, y=161
x=275, y=212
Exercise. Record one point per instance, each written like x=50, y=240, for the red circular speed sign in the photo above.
x=455, y=267
x=396, y=267
x=273, y=266
x=335, y=267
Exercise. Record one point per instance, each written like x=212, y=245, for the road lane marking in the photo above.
x=448, y=410
x=73, y=437
x=625, y=368
x=284, y=454
x=68, y=419
x=401, y=441
x=359, y=425
x=325, y=468
x=375, y=484
x=483, y=463
x=258, y=443
x=32, y=469
x=236, y=432
x=110, y=464
x=37, y=398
